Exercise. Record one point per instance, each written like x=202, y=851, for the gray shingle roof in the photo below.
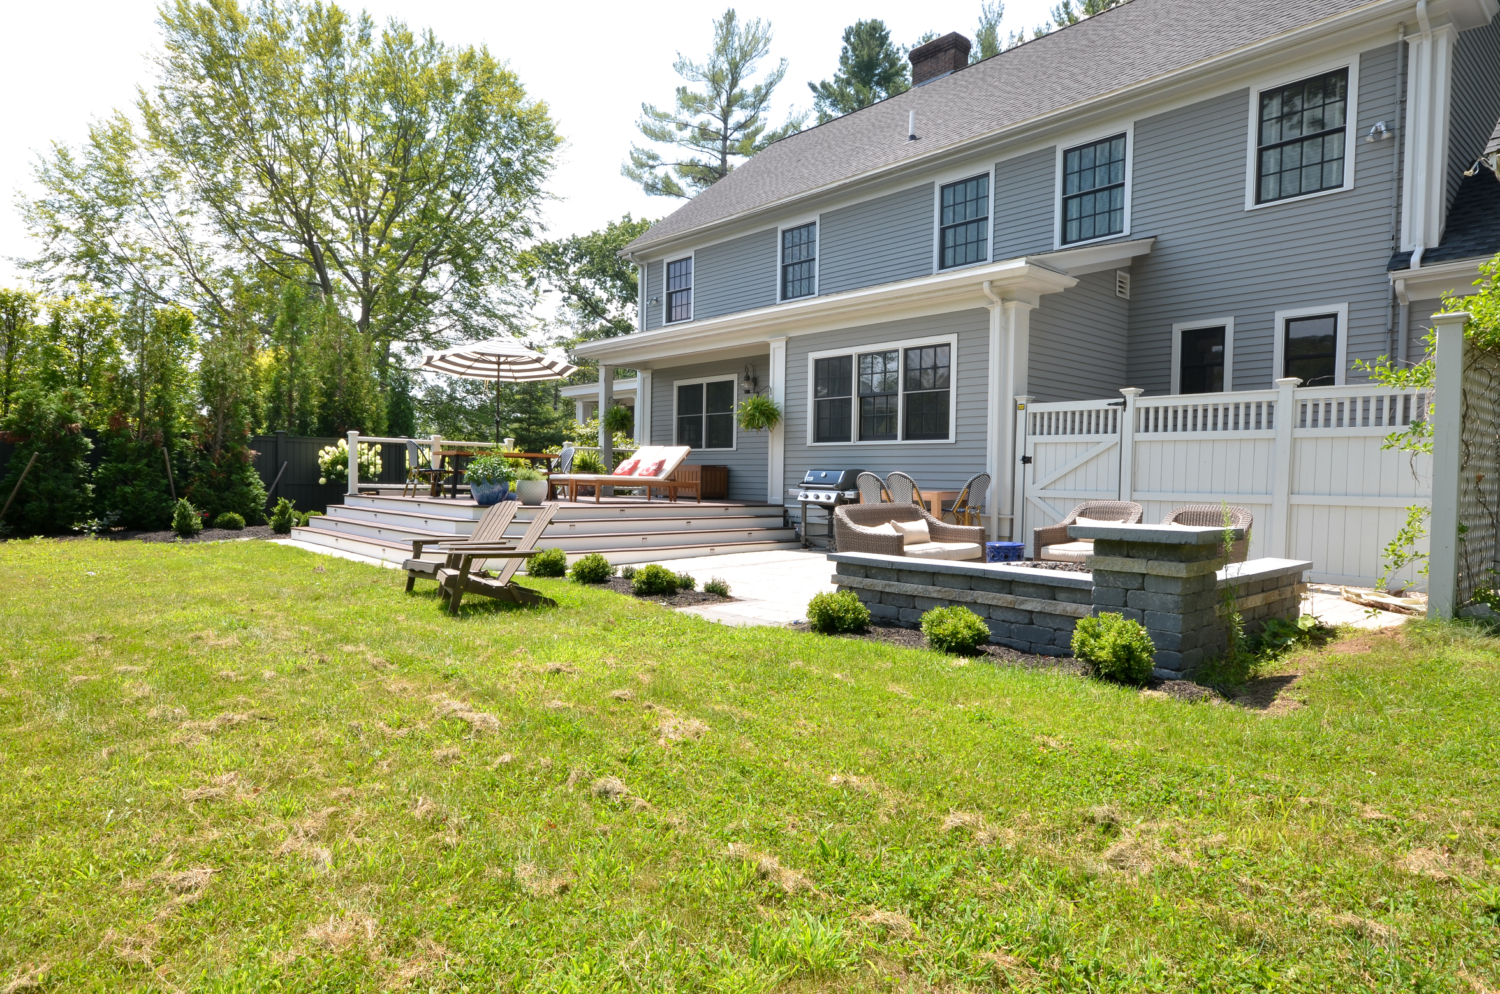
x=1494, y=145
x=1129, y=44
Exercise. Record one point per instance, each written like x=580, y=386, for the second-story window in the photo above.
x=1300, y=139
x=680, y=290
x=799, y=261
x=1094, y=190
x=963, y=232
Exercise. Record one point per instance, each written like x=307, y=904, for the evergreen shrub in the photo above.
x=187, y=521
x=954, y=629
x=592, y=568
x=230, y=521
x=685, y=581
x=283, y=517
x=547, y=562
x=56, y=495
x=842, y=611
x=1114, y=647
x=717, y=586
x=653, y=580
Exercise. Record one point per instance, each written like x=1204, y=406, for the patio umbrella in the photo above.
x=503, y=360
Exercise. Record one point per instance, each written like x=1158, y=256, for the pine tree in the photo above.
x=533, y=416
x=987, y=35
x=871, y=68
x=713, y=127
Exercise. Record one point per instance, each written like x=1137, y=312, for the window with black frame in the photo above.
x=705, y=414
x=963, y=232
x=1201, y=361
x=799, y=261
x=833, y=382
x=1301, y=137
x=1094, y=190
x=927, y=388
x=879, y=395
x=680, y=290
x=1310, y=350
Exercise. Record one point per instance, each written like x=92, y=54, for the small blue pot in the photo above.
x=1004, y=552
x=486, y=494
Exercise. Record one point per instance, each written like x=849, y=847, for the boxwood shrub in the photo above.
x=548, y=562
x=1114, y=647
x=592, y=568
x=954, y=629
x=830, y=613
x=653, y=580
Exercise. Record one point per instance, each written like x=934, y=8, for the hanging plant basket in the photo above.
x=758, y=413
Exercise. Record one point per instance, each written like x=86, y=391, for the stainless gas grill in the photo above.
x=825, y=489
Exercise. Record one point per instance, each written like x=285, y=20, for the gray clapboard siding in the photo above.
x=1214, y=258
x=654, y=291
x=1078, y=341
x=737, y=275
x=939, y=465
x=1476, y=100
x=1025, y=192
x=876, y=241
x=746, y=461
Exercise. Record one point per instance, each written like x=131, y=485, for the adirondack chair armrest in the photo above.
x=481, y=548
x=418, y=544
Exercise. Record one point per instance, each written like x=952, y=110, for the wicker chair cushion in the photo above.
x=945, y=550
x=889, y=528
x=915, y=532
x=1091, y=521
x=1067, y=552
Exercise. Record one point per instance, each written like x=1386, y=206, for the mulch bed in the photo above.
x=206, y=535
x=683, y=598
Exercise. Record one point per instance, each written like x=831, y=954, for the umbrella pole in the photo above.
x=497, y=404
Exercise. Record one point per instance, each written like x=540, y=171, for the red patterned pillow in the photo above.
x=652, y=469
x=628, y=467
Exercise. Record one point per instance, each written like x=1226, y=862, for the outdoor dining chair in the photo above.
x=871, y=489
x=903, y=489
x=968, y=506
x=417, y=475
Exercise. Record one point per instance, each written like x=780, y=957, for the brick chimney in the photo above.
x=939, y=57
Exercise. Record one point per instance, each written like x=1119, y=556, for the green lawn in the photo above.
x=243, y=767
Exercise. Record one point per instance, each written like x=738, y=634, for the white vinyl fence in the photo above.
x=1308, y=463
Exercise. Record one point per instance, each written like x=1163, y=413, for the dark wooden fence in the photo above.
x=299, y=483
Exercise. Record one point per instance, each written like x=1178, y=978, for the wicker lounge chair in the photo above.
x=871, y=489
x=457, y=575
x=1212, y=516
x=491, y=528
x=1053, y=542
x=891, y=530
x=651, y=467
x=968, y=506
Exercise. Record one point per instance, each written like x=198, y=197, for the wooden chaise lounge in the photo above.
x=651, y=467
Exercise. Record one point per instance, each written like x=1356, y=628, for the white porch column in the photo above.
x=643, y=406
x=578, y=410
x=353, y=475
x=1010, y=340
x=606, y=401
x=776, y=443
x=995, y=423
x=1429, y=75
x=1447, y=462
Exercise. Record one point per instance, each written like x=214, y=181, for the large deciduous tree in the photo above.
x=871, y=68
x=712, y=128
x=19, y=336
x=598, y=288
x=296, y=141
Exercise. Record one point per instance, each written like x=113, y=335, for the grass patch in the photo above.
x=241, y=766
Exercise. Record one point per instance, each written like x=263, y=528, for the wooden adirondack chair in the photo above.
x=491, y=528
x=456, y=577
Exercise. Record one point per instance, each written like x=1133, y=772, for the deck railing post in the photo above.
x=1447, y=463
x=1018, y=476
x=1127, y=442
x=1281, y=466
x=353, y=464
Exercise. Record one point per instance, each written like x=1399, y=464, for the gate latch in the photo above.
x=1025, y=460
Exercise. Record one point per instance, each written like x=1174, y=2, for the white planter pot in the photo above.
x=531, y=492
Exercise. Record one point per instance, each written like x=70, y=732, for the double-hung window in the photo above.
x=799, y=261
x=1093, y=199
x=680, y=290
x=1300, y=138
x=887, y=394
x=705, y=414
x=964, y=222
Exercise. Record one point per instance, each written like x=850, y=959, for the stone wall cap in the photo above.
x=1157, y=534
x=1264, y=569
x=972, y=568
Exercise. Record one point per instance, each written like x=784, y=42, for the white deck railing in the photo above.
x=431, y=443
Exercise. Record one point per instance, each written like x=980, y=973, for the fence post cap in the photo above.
x=1289, y=381
x=1451, y=317
x=1132, y=391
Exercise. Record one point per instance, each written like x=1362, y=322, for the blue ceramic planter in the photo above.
x=487, y=494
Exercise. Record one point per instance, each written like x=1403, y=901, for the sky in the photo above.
x=65, y=63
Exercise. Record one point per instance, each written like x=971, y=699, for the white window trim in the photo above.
x=1072, y=142
x=1351, y=128
x=813, y=219
x=692, y=290
x=1341, y=346
x=734, y=428
x=1179, y=328
x=948, y=179
x=857, y=350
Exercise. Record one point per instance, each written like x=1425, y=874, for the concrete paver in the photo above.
x=769, y=588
